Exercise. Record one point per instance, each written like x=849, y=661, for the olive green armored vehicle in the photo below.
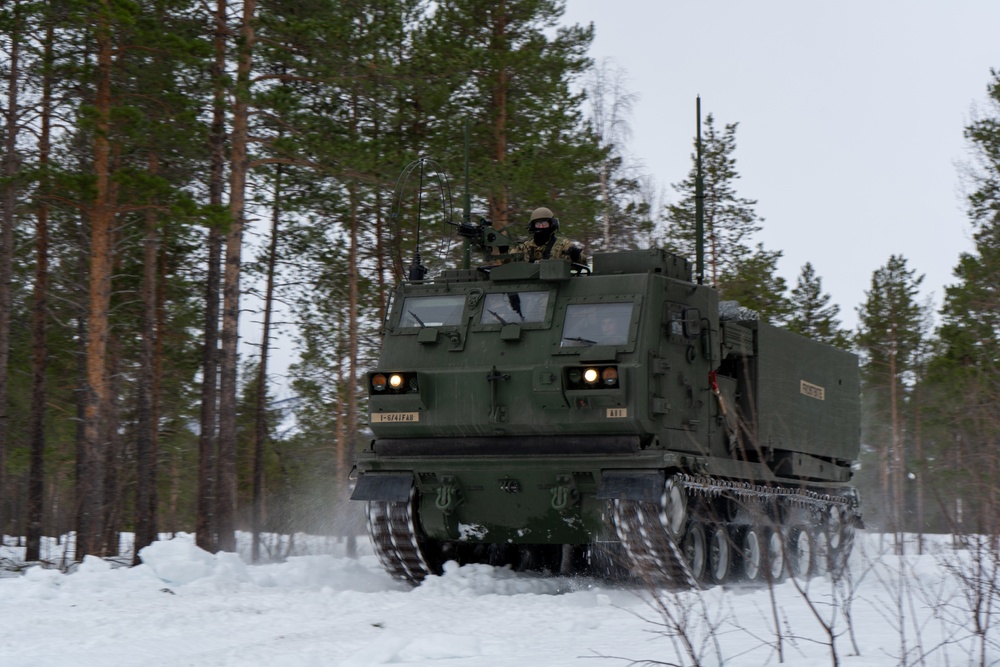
x=614, y=419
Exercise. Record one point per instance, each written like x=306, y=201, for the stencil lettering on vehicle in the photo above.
x=614, y=413
x=812, y=390
x=393, y=417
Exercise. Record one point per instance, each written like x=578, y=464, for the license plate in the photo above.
x=394, y=417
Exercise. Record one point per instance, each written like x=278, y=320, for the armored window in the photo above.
x=675, y=320
x=597, y=324
x=432, y=311
x=692, y=323
x=682, y=321
x=514, y=307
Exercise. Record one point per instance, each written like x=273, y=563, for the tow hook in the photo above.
x=564, y=493
x=449, y=496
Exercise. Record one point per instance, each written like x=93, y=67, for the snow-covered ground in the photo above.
x=184, y=606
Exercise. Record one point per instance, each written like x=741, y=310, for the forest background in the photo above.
x=167, y=163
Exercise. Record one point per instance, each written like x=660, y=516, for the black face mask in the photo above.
x=542, y=236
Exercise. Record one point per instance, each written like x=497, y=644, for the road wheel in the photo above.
x=752, y=552
x=800, y=552
x=775, y=560
x=696, y=550
x=720, y=554
x=674, y=507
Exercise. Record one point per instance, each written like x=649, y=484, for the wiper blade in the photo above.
x=497, y=315
x=577, y=339
x=414, y=316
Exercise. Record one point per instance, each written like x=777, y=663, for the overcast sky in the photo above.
x=850, y=118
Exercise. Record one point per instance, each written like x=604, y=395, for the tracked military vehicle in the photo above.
x=615, y=419
x=611, y=419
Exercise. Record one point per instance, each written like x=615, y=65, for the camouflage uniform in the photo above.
x=561, y=249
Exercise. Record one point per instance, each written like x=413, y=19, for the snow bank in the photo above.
x=475, y=580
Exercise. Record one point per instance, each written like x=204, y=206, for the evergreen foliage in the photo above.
x=508, y=66
x=741, y=271
x=812, y=314
x=890, y=338
x=339, y=96
x=889, y=328
x=964, y=373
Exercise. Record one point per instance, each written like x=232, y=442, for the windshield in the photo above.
x=596, y=324
x=514, y=307
x=432, y=311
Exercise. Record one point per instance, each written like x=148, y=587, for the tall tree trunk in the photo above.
x=260, y=420
x=499, y=199
x=114, y=453
x=157, y=390
x=918, y=451
x=175, y=492
x=80, y=396
x=11, y=167
x=90, y=484
x=207, y=527
x=340, y=421
x=347, y=451
x=146, y=424
x=226, y=502
x=39, y=351
x=897, y=456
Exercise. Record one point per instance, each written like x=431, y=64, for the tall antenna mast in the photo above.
x=417, y=269
x=467, y=205
x=699, y=206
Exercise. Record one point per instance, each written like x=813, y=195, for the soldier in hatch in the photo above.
x=545, y=243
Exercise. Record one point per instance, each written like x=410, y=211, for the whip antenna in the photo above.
x=699, y=205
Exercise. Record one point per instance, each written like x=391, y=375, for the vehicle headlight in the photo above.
x=600, y=377
x=400, y=382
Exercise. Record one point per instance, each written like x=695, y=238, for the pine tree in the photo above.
x=14, y=23
x=116, y=165
x=354, y=127
x=206, y=525
x=812, y=314
x=964, y=375
x=509, y=66
x=741, y=271
x=755, y=283
x=889, y=337
x=239, y=164
x=39, y=312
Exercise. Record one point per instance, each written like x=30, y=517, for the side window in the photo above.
x=692, y=323
x=681, y=321
x=597, y=324
x=514, y=307
x=675, y=319
x=432, y=311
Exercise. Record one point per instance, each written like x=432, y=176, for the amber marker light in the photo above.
x=610, y=376
x=395, y=380
x=378, y=382
x=590, y=375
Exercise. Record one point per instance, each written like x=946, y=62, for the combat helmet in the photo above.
x=542, y=213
